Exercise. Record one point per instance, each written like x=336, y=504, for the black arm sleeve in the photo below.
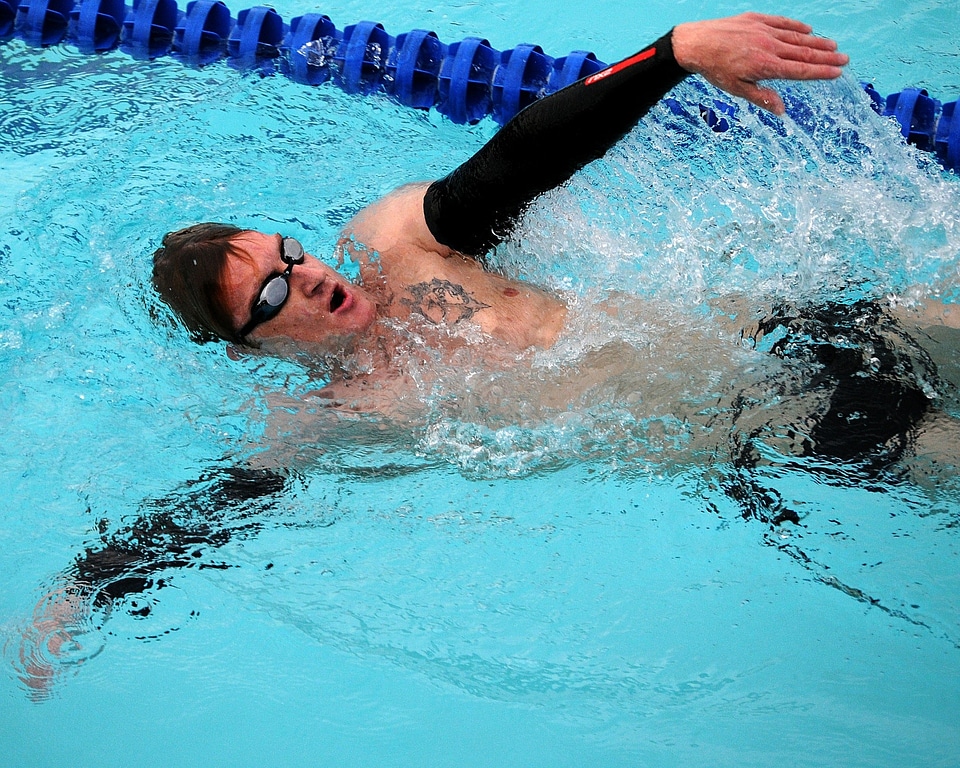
x=474, y=207
x=175, y=531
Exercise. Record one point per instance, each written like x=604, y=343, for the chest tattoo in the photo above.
x=442, y=302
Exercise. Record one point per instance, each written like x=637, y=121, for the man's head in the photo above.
x=186, y=273
x=244, y=286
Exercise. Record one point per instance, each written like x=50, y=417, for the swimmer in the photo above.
x=421, y=249
x=421, y=255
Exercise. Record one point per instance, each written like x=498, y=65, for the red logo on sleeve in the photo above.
x=642, y=56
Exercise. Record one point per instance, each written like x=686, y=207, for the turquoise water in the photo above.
x=532, y=586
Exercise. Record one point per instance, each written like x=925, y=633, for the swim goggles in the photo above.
x=276, y=288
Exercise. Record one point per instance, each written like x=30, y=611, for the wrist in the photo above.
x=683, y=42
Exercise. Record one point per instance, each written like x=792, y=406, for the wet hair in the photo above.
x=187, y=270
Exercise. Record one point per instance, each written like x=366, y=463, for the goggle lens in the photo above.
x=276, y=288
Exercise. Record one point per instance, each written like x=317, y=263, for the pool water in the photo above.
x=503, y=580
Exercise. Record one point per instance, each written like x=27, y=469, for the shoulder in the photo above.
x=395, y=224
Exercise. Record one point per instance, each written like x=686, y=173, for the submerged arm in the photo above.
x=170, y=533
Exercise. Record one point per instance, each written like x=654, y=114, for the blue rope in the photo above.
x=465, y=81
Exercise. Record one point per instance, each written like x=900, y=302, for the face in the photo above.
x=322, y=306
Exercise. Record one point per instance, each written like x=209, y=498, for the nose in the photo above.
x=308, y=278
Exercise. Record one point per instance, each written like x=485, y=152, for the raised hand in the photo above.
x=736, y=53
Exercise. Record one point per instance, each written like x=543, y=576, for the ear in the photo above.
x=235, y=352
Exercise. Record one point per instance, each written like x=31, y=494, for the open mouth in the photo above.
x=337, y=297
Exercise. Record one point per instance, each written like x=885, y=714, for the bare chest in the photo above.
x=452, y=292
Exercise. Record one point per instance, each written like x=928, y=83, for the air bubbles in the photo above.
x=315, y=52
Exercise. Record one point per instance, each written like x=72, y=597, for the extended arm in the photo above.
x=172, y=532
x=474, y=207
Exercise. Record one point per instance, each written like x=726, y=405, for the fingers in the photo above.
x=807, y=42
x=736, y=53
x=779, y=22
x=763, y=97
x=794, y=41
x=793, y=70
x=793, y=55
x=815, y=50
x=779, y=68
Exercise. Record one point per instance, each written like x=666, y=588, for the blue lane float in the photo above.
x=465, y=76
x=8, y=15
x=311, y=37
x=569, y=69
x=917, y=115
x=413, y=68
x=466, y=81
x=43, y=22
x=925, y=122
x=98, y=25
x=258, y=35
x=519, y=80
x=360, y=57
x=947, y=138
x=201, y=34
x=148, y=28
